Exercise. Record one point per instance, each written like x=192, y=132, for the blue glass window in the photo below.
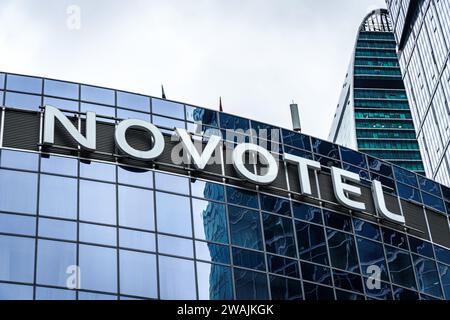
x=348, y=296
x=242, y=197
x=15, y=224
x=19, y=160
x=138, y=274
x=97, y=202
x=380, y=167
x=171, y=183
x=325, y=148
x=99, y=110
x=138, y=240
x=421, y=247
x=400, y=267
x=337, y=221
x=372, y=254
x=233, y=123
x=279, y=235
x=297, y=140
x=175, y=246
x=135, y=177
x=212, y=252
x=57, y=229
x=250, y=285
x=19, y=191
x=285, y=289
x=95, y=296
x=2, y=80
x=366, y=229
x=210, y=221
x=208, y=190
x=342, y=251
x=22, y=101
x=15, y=292
x=214, y=282
x=24, y=84
x=61, y=89
x=127, y=114
x=176, y=279
x=433, y=202
x=97, y=95
x=311, y=243
x=394, y=238
x=202, y=116
x=442, y=255
x=283, y=266
x=382, y=293
x=444, y=273
x=43, y=293
x=307, y=213
x=429, y=186
x=59, y=165
x=168, y=108
x=245, y=228
x=96, y=234
x=347, y=281
x=427, y=276
x=1, y=97
x=315, y=273
x=408, y=193
x=445, y=192
x=58, y=197
x=17, y=256
x=275, y=205
x=133, y=101
x=99, y=268
x=248, y=259
x=53, y=262
x=406, y=177
x=353, y=157
x=404, y=294
x=167, y=123
x=136, y=208
x=315, y=292
x=173, y=214
x=98, y=171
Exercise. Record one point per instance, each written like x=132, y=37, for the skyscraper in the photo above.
x=373, y=113
x=422, y=31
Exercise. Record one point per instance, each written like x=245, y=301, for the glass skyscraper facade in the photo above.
x=373, y=113
x=422, y=31
x=160, y=230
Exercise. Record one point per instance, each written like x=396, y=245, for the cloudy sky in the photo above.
x=259, y=55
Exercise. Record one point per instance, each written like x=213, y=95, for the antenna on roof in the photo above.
x=295, y=116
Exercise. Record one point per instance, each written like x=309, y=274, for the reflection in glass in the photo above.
x=127, y=114
x=212, y=252
x=342, y=251
x=315, y=292
x=275, y=205
x=214, y=282
x=285, y=289
x=250, y=285
x=242, y=197
x=210, y=222
x=245, y=228
x=58, y=197
x=394, y=238
x=17, y=259
x=279, y=235
x=62, y=104
x=307, y=213
x=15, y=224
x=138, y=240
x=57, y=229
x=171, y=183
x=421, y=247
x=404, y=294
x=138, y=275
x=136, y=177
x=98, y=95
x=43, y=293
x=400, y=267
x=61, y=89
x=22, y=101
x=427, y=276
x=283, y=266
x=99, y=111
x=176, y=279
x=382, y=293
x=347, y=281
x=99, y=268
x=366, y=229
x=18, y=191
x=249, y=259
x=337, y=221
x=316, y=273
x=167, y=108
x=19, y=160
x=24, y=84
x=98, y=171
x=444, y=273
x=175, y=246
x=133, y=101
x=98, y=234
x=173, y=214
x=207, y=190
x=15, y=292
x=136, y=208
x=97, y=202
x=311, y=243
x=59, y=165
x=371, y=254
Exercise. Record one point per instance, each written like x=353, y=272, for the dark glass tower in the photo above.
x=373, y=113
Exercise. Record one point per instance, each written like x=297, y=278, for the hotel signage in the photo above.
x=344, y=182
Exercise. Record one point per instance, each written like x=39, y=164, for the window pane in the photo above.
x=95, y=296
x=62, y=104
x=135, y=177
x=314, y=292
x=171, y=183
x=167, y=108
x=58, y=197
x=22, y=101
x=2, y=80
x=54, y=294
x=242, y=197
x=371, y=254
x=285, y=289
x=421, y=247
x=98, y=268
x=311, y=243
x=249, y=259
x=250, y=285
x=98, y=171
x=394, y=238
x=176, y=279
x=57, y=229
x=137, y=240
x=173, y=214
x=315, y=273
x=136, y=208
x=168, y=123
x=353, y=157
x=212, y=252
x=98, y=234
x=427, y=276
x=22, y=225
x=366, y=229
x=210, y=222
x=275, y=205
x=59, y=165
x=444, y=272
x=337, y=221
x=400, y=267
x=279, y=235
x=307, y=213
x=15, y=292
x=245, y=228
x=214, y=282
x=138, y=274
x=383, y=292
x=54, y=259
x=442, y=255
x=99, y=110
x=97, y=202
x=207, y=190
x=404, y=294
x=19, y=160
x=61, y=89
x=342, y=251
x=127, y=114
x=96, y=94
x=133, y=101
x=19, y=191
x=24, y=84
x=176, y=246
x=17, y=259
x=283, y=266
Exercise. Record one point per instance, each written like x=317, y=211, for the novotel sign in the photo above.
x=343, y=181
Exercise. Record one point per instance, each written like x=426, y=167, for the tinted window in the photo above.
x=395, y=238
x=19, y=160
x=24, y=84
x=279, y=235
x=61, y=104
x=54, y=294
x=296, y=140
x=421, y=247
x=135, y=177
x=311, y=243
x=442, y=255
x=19, y=191
x=98, y=171
x=208, y=190
x=325, y=148
x=98, y=234
x=22, y=225
x=127, y=114
x=98, y=95
x=59, y=165
x=249, y=259
x=57, y=229
x=17, y=256
x=136, y=208
x=366, y=229
x=234, y=123
x=315, y=292
x=167, y=108
x=427, y=276
x=285, y=289
x=210, y=221
x=97, y=202
x=342, y=251
x=133, y=101
x=245, y=228
x=347, y=281
x=242, y=197
x=176, y=279
x=138, y=274
x=137, y=240
x=283, y=266
x=406, y=177
x=173, y=214
x=353, y=157
x=250, y=285
x=400, y=267
x=307, y=213
x=201, y=116
x=212, y=252
x=337, y=221
x=99, y=110
x=58, y=197
x=61, y=89
x=15, y=292
x=99, y=268
x=214, y=282
x=275, y=205
x=22, y=101
x=175, y=246
x=171, y=183
x=371, y=254
x=315, y=273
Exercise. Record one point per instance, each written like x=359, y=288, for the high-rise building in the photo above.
x=422, y=31
x=373, y=114
x=86, y=213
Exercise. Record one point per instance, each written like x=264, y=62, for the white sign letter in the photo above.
x=342, y=190
x=380, y=204
x=303, y=166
